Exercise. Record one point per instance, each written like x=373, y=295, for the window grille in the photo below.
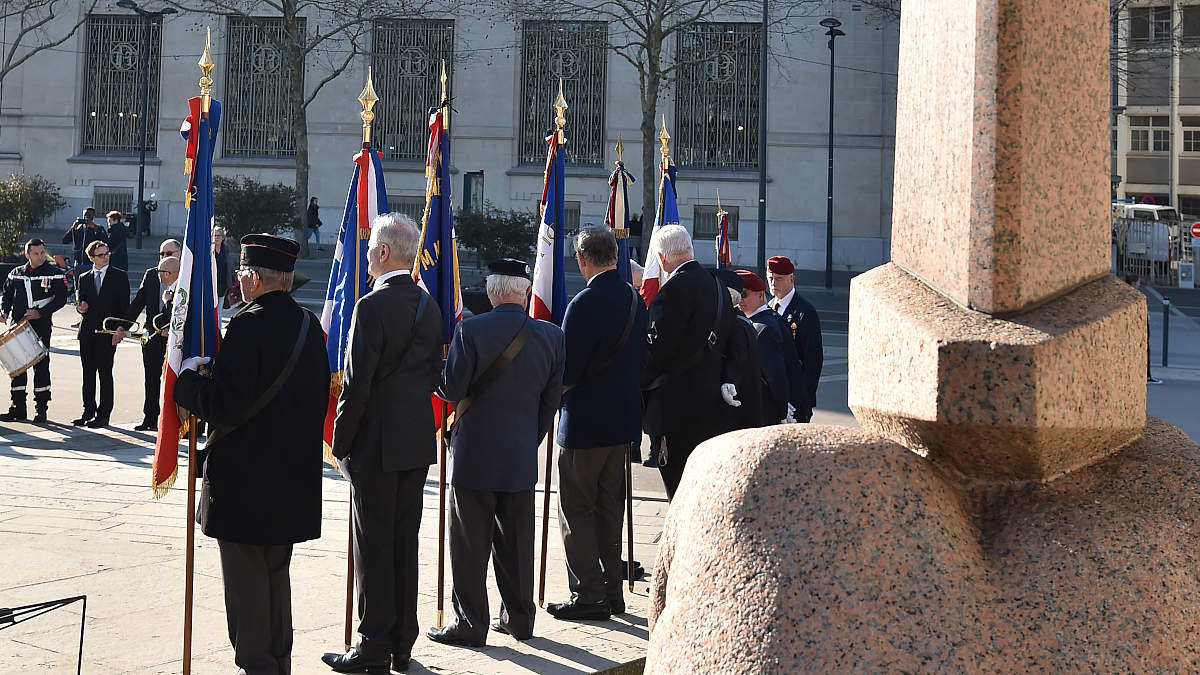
x=705, y=224
x=717, y=95
x=106, y=199
x=407, y=74
x=258, y=117
x=413, y=207
x=112, y=85
x=571, y=214
x=574, y=51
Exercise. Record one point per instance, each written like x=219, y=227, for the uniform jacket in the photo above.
x=14, y=302
x=774, y=381
x=494, y=446
x=387, y=424
x=802, y=321
x=148, y=299
x=262, y=475
x=112, y=299
x=602, y=407
x=743, y=368
x=682, y=393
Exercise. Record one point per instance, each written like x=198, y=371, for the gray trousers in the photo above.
x=258, y=606
x=591, y=507
x=499, y=524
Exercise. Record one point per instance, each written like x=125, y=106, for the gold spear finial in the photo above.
x=664, y=137
x=206, y=65
x=620, y=150
x=560, y=107
x=367, y=99
x=445, y=98
x=719, y=210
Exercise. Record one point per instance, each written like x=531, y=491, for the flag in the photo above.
x=724, y=257
x=617, y=217
x=667, y=214
x=193, y=329
x=366, y=199
x=549, y=280
x=436, y=266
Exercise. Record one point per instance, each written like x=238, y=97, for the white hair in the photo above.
x=500, y=285
x=674, y=242
x=734, y=295
x=400, y=233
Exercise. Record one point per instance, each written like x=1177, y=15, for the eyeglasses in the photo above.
x=100, y=255
x=164, y=254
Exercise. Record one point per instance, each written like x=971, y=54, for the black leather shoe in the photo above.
x=82, y=420
x=450, y=635
x=353, y=662
x=575, y=610
x=40, y=417
x=400, y=662
x=502, y=628
x=146, y=426
x=616, y=606
x=97, y=423
x=14, y=415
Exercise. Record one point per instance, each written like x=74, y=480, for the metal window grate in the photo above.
x=258, y=117
x=574, y=51
x=413, y=207
x=571, y=214
x=112, y=85
x=705, y=224
x=407, y=74
x=106, y=199
x=717, y=95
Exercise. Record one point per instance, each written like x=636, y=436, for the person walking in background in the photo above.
x=221, y=259
x=314, y=222
x=118, y=240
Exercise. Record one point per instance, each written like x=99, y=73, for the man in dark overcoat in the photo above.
x=803, y=323
x=149, y=301
x=774, y=380
x=504, y=374
x=26, y=297
x=742, y=364
x=383, y=438
x=261, y=491
x=102, y=292
x=601, y=415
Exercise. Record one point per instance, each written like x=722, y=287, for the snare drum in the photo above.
x=20, y=349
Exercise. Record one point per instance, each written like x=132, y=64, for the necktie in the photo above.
x=99, y=280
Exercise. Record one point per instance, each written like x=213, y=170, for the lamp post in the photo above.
x=833, y=33
x=762, y=148
x=144, y=67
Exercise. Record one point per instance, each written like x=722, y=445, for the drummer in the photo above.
x=33, y=292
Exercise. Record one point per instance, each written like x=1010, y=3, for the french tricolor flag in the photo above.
x=549, y=280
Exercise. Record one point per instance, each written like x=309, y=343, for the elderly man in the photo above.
x=601, y=417
x=103, y=292
x=801, y=320
x=266, y=404
x=776, y=368
x=33, y=292
x=393, y=363
x=686, y=400
x=149, y=299
x=504, y=375
x=745, y=369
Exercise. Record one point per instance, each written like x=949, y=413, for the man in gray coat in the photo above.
x=504, y=374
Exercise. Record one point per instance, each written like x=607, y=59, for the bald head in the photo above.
x=168, y=270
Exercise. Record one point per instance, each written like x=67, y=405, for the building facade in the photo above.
x=71, y=115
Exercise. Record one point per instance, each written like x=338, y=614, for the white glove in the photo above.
x=729, y=393
x=195, y=362
x=343, y=466
x=791, y=416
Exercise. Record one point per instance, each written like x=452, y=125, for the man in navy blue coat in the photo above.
x=493, y=454
x=776, y=391
x=801, y=320
x=601, y=416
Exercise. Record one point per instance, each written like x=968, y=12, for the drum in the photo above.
x=20, y=349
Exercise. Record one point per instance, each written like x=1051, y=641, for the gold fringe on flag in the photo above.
x=164, y=487
x=335, y=392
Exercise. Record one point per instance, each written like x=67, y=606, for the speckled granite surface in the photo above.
x=1002, y=169
x=1032, y=396
x=805, y=548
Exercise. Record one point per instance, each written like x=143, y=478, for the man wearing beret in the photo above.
x=772, y=347
x=742, y=365
x=261, y=492
x=504, y=374
x=801, y=319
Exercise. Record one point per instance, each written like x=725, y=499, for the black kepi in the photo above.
x=509, y=267
x=269, y=251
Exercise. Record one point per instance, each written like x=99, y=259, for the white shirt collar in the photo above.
x=765, y=306
x=676, y=270
x=785, y=301
x=389, y=275
x=100, y=270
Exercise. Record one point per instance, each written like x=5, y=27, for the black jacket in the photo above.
x=148, y=299
x=14, y=302
x=80, y=238
x=681, y=383
x=743, y=368
x=387, y=424
x=118, y=245
x=110, y=300
x=262, y=476
x=774, y=381
x=603, y=406
x=802, y=321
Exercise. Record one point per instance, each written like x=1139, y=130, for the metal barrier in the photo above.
x=1151, y=249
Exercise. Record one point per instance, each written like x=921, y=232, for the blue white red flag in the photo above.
x=194, y=329
x=724, y=256
x=667, y=214
x=617, y=217
x=436, y=266
x=366, y=199
x=549, y=280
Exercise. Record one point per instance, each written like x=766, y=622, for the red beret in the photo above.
x=752, y=281
x=780, y=264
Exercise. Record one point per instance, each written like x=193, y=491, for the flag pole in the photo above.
x=444, y=432
x=629, y=509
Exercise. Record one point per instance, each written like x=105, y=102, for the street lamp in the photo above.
x=762, y=148
x=144, y=65
x=833, y=33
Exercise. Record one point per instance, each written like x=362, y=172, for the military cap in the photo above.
x=780, y=264
x=509, y=267
x=730, y=279
x=269, y=251
x=751, y=281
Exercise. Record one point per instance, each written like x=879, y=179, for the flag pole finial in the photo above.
x=620, y=151
x=560, y=107
x=664, y=138
x=367, y=99
x=206, y=66
x=445, y=104
x=719, y=209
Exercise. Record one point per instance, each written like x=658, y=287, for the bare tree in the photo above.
x=35, y=29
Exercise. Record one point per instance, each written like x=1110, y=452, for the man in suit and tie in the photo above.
x=383, y=439
x=801, y=320
x=776, y=393
x=149, y=299
x=601, y=416
x=504, y=375
x=103, y=292
x=686, y=401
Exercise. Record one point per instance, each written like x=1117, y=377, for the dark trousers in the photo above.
x=591, y=506
x=96, y=352
x=153, y=354
x=676, y=447
x=41, y=373
x=387, y=521
x=258, y=606
x=499, y=523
